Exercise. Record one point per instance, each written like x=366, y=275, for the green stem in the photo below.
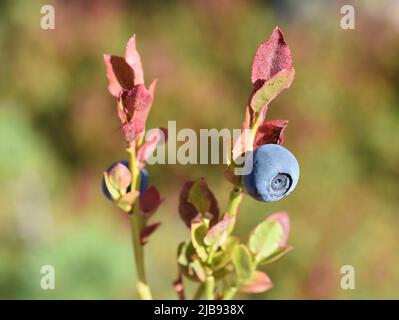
x=143, y=288
x=255, y=125
x=235, y=199
x=230, y=293
x=210, y=255
x=236, y=194
x=210, y=287
x=198, y=293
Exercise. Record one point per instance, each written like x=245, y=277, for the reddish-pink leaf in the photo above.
x=157, y=137
x=123, y=72
x=249, y=114
x=132, y=129
x=271, y=57
x=268, y=90
x=136, y=99
x=284, y=220
x=218, y=233
x=152, y=87
x=271, y=131
x=113, y=85
x=147, y=232
x=143, y=114
x=133, y=59
x=122, y=115
x=259, y=283
x=188, y=212
x=150, y=200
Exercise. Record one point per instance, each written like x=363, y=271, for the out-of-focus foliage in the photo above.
x=59, y=131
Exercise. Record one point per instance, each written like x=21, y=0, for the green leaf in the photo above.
x=182, y=258
x=197, y=270
x=271, y=88
x=230, y=244
x=280, y=252
x=126, y=201
x=242, y=262
x=265, y=239
x=185, y=254
x=124, y=206
x=223, y=257
x=217, y=235
x=111, y=189
x=198, y=196
x=223, y=272
x=198, y=233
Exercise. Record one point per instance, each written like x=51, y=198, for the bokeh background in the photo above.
x=59, y=131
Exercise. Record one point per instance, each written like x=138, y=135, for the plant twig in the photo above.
x=210, y=287
x=230, y=293
x=179, y=287
x=143, y=288
x=198, y=293
x=233, y=205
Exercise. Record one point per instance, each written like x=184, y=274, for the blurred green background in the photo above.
x=59, y=131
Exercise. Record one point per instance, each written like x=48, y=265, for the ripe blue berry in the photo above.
x=274, y=175
x=143, y=179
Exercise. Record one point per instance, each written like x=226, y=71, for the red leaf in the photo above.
x=143, y=114
x=132, y=129
x=249, y=114
x=271, y=131
x=268, y=90
x=284, y=220
x=217, y=235
x=259, y=283
x=113, y=85
x=138, y=98
x=271, y=57
x=147, y=232
x=122, y=115
x=188, y=212
x=133, y=59
x=157, y=136
x=150, y=201
x=123, y=72
x=152, y=87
